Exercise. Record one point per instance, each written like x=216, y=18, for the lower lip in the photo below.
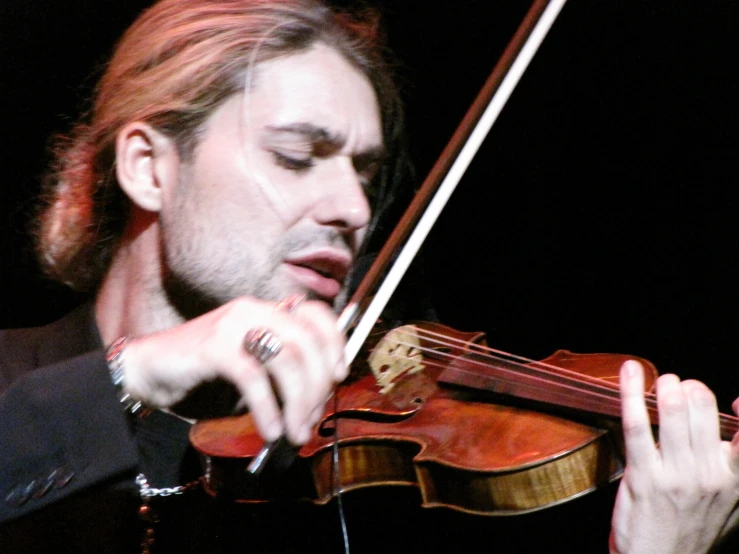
x=325, y=287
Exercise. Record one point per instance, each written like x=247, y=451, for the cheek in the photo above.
x=246, y=192
x=246, y=221
x=279, y=194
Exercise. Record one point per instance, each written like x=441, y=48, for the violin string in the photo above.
x=544, y=368
x=543, y=372
x=541, y=381
x=440, y=340
x=729, y=423
x=548, y=372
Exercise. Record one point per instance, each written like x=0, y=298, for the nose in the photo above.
x=343, y=203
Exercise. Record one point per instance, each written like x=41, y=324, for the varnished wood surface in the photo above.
x=462, y=451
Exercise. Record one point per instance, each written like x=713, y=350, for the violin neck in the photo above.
x=587, y=396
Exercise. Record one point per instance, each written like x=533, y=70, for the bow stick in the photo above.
x=435, y=191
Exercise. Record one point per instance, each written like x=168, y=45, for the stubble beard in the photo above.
x=193, y=290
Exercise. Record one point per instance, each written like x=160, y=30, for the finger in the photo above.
x=640, y=448
x=300, y=374
x=319, y=323
x=256, y=389
x=733, y=454
x=703, y=422
x=317, y=415
x=290, y=380
x=674, y=423
x=734, y=445
x=730, y=525
x=325, y=326
x=303, y=374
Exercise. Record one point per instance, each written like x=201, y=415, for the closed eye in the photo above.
x=293, y=163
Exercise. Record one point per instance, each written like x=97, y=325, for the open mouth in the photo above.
x=327, y=268
x=322, y=273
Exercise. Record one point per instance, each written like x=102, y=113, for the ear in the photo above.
x=147, y=163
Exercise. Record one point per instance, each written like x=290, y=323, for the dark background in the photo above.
x=600, y=215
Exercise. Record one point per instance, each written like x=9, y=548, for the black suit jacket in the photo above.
x=63, y=436
x=63, y=429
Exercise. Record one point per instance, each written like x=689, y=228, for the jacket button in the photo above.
x=61, y=476
x=20, y=494
x=44, y=486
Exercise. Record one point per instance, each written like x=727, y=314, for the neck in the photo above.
x=131, y=300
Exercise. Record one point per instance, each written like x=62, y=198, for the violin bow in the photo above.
x=446, y=173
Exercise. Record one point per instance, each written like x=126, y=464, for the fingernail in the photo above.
x=701, y=397
x=629, y=368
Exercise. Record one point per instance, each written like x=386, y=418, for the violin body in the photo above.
x=462, y=448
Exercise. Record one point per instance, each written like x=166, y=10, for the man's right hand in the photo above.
x=161, y=369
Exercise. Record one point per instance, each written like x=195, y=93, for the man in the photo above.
x=225, y=174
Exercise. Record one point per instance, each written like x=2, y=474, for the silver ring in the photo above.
x=290, y=303
x=262, y=343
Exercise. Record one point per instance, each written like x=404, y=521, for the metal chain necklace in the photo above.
x=147, y=514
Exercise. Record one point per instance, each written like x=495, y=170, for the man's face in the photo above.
x=273, y=201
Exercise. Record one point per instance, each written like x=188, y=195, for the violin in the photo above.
x=434, y=409
x=437, y=409
x=474, y=429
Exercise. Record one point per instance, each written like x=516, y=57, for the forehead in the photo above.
x=318, y=88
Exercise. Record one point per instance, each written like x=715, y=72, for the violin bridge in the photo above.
x=398, y=353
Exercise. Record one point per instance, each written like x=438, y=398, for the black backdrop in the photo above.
x=600, y=215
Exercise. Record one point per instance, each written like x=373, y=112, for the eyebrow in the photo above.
x=308, y=130
x=321, y=135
